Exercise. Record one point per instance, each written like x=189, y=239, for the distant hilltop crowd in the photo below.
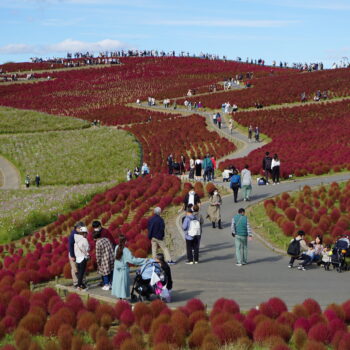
x=106, y=57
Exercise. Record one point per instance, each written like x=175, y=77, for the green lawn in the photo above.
x=24, y=211
x=74, y=156
x=22, y=121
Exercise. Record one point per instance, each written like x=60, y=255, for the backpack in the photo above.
x=195, y=228
x=294, y=248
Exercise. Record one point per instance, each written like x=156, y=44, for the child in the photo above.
x=326, y=257
x=307, y=257
x=81, y=251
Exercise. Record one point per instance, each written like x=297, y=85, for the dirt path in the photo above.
x=10, y=175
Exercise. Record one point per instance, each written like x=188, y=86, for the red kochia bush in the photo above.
x=226, y=305
x=127, y=317
x=194, y=305
x=273, y=307
x=120, y=307
x=312, y=306
x=229, y=332
x=320, y=333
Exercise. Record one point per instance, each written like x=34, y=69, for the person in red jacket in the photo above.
x=97, y=227
x=213, y=160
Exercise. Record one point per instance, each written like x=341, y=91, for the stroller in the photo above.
x=341, y=253
x=149, y=280
x=176, y=168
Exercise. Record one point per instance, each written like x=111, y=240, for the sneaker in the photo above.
x=300, y=267
x=238, y=264
x=196, y=262
x=244, y=263
x=290, y=266
x=171, y=262
x=189, y=262
x=106, y=287
x=303, y=268
x=75, y=285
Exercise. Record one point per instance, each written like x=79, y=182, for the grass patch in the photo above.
x=24, y=211
x=22, y=121
x=266, y=228
x=73, y=157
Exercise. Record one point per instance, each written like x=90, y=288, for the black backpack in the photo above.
x=294, y=248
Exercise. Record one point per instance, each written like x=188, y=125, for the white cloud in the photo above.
x=17, y=49
x=222, y=23
x=68, y=45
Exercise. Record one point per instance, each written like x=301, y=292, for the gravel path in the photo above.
x=10, y=175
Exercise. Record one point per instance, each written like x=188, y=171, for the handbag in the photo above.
x=233, y=234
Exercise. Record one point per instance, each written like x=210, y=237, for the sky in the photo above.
x=281, y=30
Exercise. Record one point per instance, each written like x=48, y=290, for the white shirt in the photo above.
x=81, y=248
x=275, y=163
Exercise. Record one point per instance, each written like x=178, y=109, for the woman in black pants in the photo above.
x=275, y=166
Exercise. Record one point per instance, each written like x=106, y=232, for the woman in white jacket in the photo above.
x=81, y=251
x=275, y=168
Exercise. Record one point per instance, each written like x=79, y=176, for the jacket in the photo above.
x=71, y=244
x=246, y=178
x=207, y=163
x=186, y=226
x=235, y=179
x=156, y=227
x=240, y=226
x=81, y=248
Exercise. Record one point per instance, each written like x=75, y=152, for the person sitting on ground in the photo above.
x=307, y=257
x=300, y=248
x=144, y=169
x=318, y=248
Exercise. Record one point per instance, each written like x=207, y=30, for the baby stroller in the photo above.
x=341, y=252
x=148, y=281
x=176, y=168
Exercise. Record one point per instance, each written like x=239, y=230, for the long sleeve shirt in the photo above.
x=233, y=227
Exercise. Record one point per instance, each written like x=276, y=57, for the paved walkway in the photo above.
x=11, y=177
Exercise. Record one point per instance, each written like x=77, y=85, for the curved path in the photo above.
x=11, y=177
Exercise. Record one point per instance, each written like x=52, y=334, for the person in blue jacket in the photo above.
x=235, y=184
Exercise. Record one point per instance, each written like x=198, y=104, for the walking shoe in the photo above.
x=189, y=262
x=290, y=266
x=238, y=264
x=196, y=262
x=106, y=287
x=171, y=262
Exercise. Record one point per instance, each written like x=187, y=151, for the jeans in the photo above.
x=207, y=174
x=235, y=189
x=241, y=249
x=192, y=247
x=107, y=279
x=276, y=174
x=246, y=191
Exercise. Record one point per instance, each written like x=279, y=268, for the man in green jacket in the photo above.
x=207, y=166
x=241, y=230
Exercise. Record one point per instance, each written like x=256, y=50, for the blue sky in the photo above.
x=288, y=30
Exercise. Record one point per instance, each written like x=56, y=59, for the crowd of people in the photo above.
x=143, y=171
x=113, y=259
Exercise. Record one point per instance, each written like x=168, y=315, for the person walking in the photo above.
x=104, y=259
x=27, y=181
x=192, y=168
x=235, y=184
x=241, y=231
x=191, y=228
x=191, y=198
x=156, y=233
x=121, y=275
x=219, y=120
x=257, y=134
x=246, y=182
x=170, y=162
x=266, y=165
x=213, y=160
x=208, y=168
x=230, y=126
x=78, y=227
x=37, y=180
x=198, y=168
x=213, y=212
x=275, y=167
x=250, y=133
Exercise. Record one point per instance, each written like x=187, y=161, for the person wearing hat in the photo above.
x=78, y=227
x=81, y=252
